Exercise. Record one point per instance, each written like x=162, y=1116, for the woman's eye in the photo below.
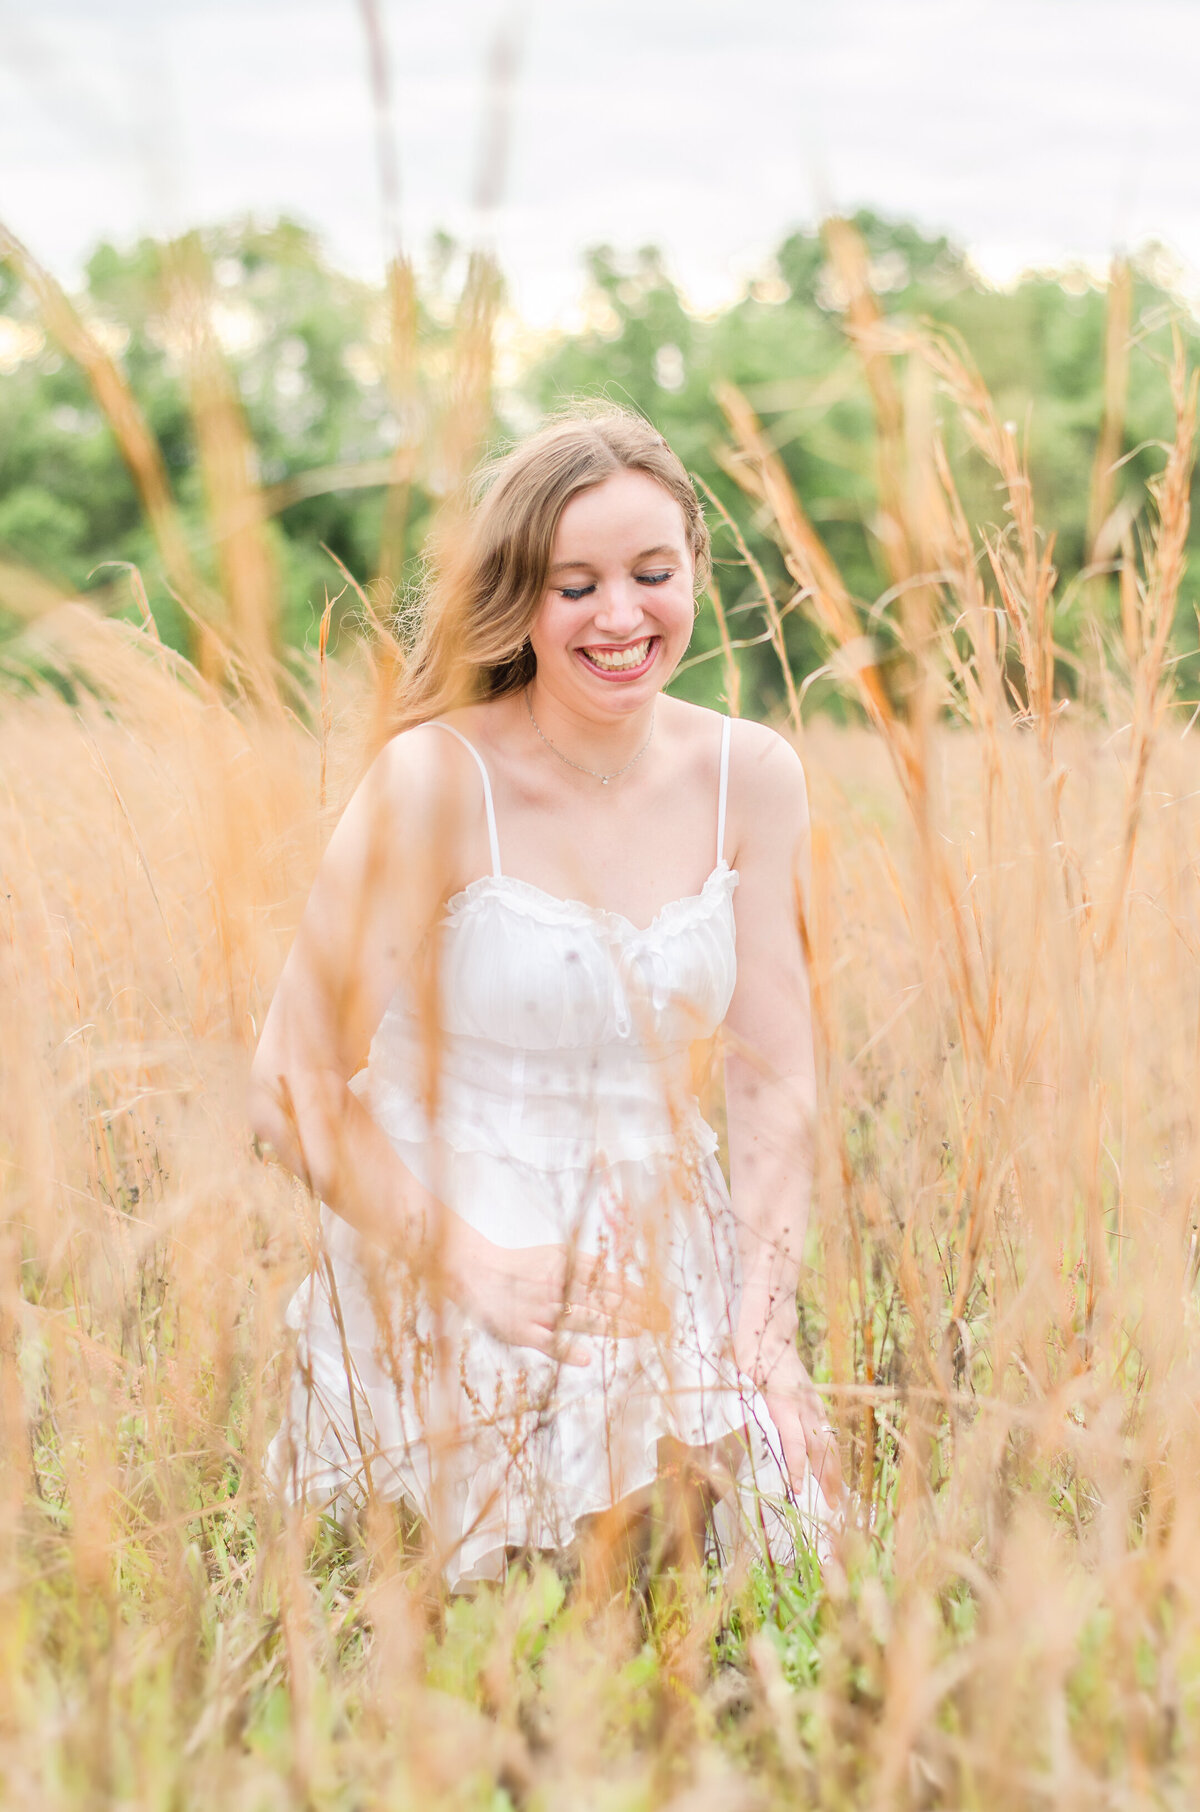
x=575, y=591
x=653, y=578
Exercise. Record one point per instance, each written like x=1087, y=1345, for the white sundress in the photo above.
x=564, y=1112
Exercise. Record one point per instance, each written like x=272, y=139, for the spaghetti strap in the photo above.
x=722, y=792
x=436, y=723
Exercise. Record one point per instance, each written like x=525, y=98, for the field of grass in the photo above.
x=1001, y=1297
x=1001, y=1293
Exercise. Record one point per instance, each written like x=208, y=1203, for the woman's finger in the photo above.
x=610, y=1295
x=553, y=1277
x=550, y=1341
x=580, y=1318
x=809, y=1438
x=616, y=1319
x=608, y=1287
x=579, y=1279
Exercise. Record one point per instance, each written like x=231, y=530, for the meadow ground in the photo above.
x=1001, y=1297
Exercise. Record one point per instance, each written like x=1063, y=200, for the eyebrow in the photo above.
x=563, y=566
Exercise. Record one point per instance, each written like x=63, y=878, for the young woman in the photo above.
x=532, y=1290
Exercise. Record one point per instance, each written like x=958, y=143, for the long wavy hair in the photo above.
x=469, y=631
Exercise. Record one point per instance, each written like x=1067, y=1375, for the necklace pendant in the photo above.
x=604, y=780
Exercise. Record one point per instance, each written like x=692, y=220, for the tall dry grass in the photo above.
x=1001, y=1301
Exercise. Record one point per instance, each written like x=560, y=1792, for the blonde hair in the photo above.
x=489, y=573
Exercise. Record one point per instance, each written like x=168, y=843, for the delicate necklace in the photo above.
x=578, y=765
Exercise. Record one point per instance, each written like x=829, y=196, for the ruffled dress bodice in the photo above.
x=564, y=1032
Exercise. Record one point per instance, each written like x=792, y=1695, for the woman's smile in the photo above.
x=620, y=660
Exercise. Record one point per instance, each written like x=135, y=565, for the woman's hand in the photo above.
x=541, y=1296
x=766, y=1351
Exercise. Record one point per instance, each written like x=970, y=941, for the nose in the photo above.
x=618, y=609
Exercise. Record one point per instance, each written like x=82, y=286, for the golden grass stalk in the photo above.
x=137, y=444
x=910, y=522
x=733, y=676
x=237, y=513
x=770, y=610
x=402, y=311
x=468, y=411
x=761, y=473
x=1153, y=611
x=402, y=373
x=1118, y=321
x=849, y=260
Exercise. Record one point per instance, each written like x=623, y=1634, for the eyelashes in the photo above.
x=574, y=592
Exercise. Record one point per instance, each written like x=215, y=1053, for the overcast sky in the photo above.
x=1031, y=130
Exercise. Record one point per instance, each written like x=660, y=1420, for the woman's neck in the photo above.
x=602, y=743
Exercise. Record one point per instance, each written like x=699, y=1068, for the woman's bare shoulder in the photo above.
x=764, y=748
x=696, y=728
x=415, y=764
x=399, y=807
x=704, y=723
x=767, y=790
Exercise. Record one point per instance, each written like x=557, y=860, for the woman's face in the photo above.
x=618, y=610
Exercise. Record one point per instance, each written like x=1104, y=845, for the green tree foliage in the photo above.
x=1039, y=349
x=309, y=351
x=307, y=347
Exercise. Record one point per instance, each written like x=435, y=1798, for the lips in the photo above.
x=620, y=661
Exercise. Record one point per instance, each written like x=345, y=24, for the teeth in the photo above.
x=617, y=659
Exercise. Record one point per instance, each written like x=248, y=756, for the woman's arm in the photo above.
x=357, y=941
x=380, y=888
x=771, y=1092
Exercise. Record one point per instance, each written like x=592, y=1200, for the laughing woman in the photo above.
x=534, y=1296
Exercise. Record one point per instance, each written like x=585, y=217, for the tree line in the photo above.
x=306, y=428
